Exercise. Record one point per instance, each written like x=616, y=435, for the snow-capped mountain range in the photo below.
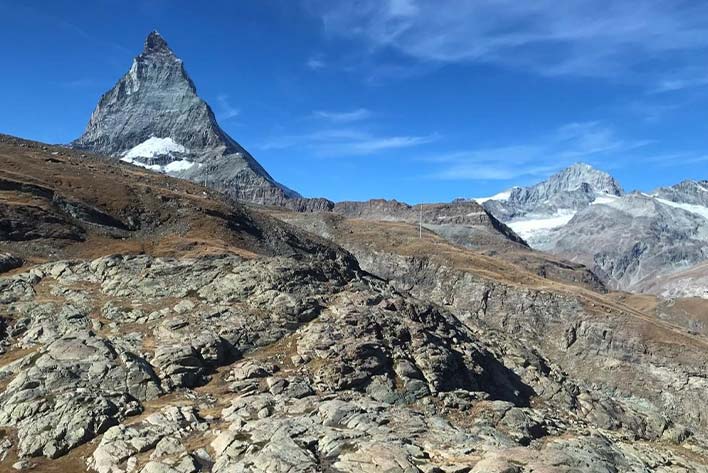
x=631, y=240
x=533, y=211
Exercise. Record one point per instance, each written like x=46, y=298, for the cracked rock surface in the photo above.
x=297, y=364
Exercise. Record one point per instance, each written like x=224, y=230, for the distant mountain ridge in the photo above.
x=628, y=239
x=154, y=118
x=572, y=188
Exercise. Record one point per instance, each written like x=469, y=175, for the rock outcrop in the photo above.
x=329, y=368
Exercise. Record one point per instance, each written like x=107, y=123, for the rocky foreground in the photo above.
x=182, y=333
x=288, y=365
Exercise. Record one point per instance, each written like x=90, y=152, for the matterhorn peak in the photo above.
x=155, y=43
x=154, y=118
x=156, y=50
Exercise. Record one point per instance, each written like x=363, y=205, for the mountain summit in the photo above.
x=576, y=177
x=570, y=189
x=154, y=118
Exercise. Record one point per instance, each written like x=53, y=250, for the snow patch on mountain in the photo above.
x=502, y=196
x=606, y=199
x=154, y=147
x=694, y=209
x=171, y=167
x=535, y=229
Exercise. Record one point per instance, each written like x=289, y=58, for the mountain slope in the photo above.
x=61, y=203
x=464, y=222
x=628, y=240
x=687, y=192
x=154, y=118
x=632, y=240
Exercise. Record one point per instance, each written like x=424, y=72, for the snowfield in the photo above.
x=694, y=209
x=154, y=147
x=533, y=228
x=158, y=147
x=503, y=196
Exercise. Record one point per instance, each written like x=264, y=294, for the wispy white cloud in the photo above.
x=343, y=117
x=681, y=82
x=338, y=142
x=588, y=141
x=676, y=159
x=315, y=63
x=651, y=111
x=594, y=38
x=226, y=110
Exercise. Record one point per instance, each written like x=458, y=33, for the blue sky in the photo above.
x=419, y=100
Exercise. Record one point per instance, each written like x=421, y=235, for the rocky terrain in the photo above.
x=148, y=324
x=463, y=222
x=154, y=118
x=632, y=241
x=692, y=282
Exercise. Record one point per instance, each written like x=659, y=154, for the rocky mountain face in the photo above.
x=464, y=222
x=687, y=192
x=691, y=282
x=156, y=327
x=581, y=332
x=571, y=189
x=154, y=118
x=632, y=241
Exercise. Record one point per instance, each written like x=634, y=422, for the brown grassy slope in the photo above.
x=403, y=239
x=691, y=313
x=61, y=203
x=509, y=264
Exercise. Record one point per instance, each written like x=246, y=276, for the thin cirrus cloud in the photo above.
x=571, y=143
x=315, y=63
x=343, y=117
x=637, y=40
x=341, y=142
x=686, y=81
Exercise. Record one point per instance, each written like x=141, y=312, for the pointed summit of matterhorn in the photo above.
x=154, y=118
x=155, y=43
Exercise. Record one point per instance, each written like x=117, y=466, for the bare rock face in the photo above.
x=305, y=364
x=634, y=241
x=8, y=262
x=154, y=118
x=570, y=189
x=686, y=192
x=462, y=221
